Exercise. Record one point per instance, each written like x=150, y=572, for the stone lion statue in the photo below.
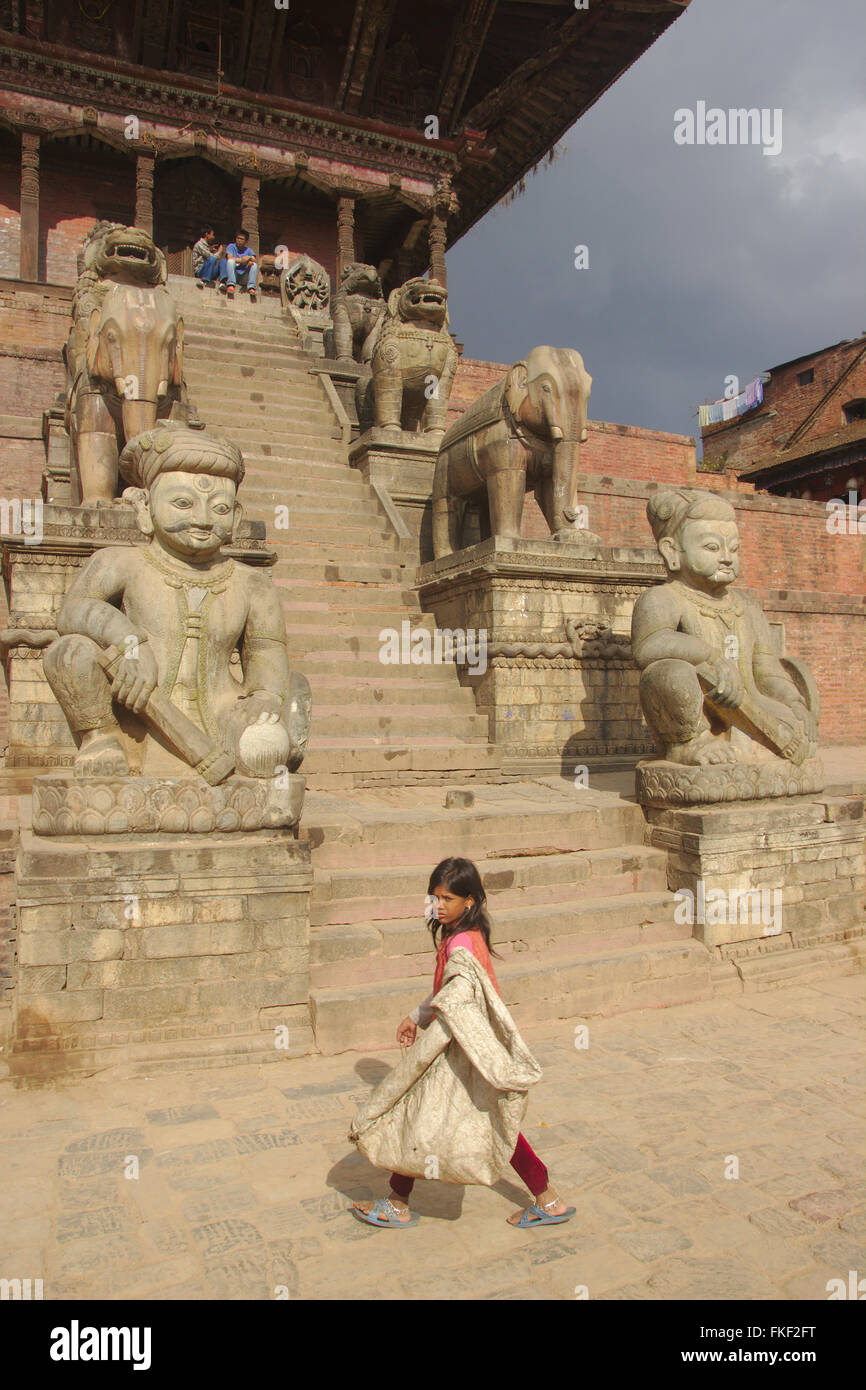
x=356, y=309
x=124, y=353
x=412, y=362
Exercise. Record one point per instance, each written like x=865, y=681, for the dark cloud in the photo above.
x=704, y=260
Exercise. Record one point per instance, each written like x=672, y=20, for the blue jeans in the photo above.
x=209, y=269
x=236, y=272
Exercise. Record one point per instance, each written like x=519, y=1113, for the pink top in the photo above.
x=474, y=942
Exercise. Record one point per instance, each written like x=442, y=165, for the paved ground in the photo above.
x=245, y=1174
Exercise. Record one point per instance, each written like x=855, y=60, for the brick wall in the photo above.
x=787, y=404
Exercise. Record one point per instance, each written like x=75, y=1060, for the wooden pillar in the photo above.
x=437, y=234
x=250, y=187
x=29, y=258
x=144, y=193
x=345, y=235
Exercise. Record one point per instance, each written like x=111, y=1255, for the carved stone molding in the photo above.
x=663, y=783
x=68, y=805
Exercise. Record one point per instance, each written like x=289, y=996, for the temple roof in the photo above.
x=505, y=78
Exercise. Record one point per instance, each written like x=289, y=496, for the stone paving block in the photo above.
x=710, y=1279
x=650, y=1242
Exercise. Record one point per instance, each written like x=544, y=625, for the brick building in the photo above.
x=808, y=437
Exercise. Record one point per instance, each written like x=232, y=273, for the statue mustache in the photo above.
x=221, y=527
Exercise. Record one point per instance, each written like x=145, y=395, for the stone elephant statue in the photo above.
x=356, y=309
x=412, y=362
x=524, y=432
x=124, y=356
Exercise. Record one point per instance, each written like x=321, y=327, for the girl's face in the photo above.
x=451, y=907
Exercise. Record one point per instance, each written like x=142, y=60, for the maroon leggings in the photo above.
x=524, y=1161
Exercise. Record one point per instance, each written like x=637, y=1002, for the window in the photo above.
x=806, y=378
x=854, y=410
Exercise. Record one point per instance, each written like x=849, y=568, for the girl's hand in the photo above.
x=406, y=1032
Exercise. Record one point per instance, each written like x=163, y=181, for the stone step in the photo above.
x=310, y=569
x=503, y=876
x=355, y=666
x=377, y=896
x=527, y=817
x=325, y=599
x=346, y=763
x=201, y=329
x=390, y=691
x=530, y=926
x=215, y=391
x=242, y=365
x=389, y=725
x=561, y=983
x=369, y=545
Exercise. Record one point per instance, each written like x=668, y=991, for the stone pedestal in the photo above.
x=560, y=688
x=161, y=949
x=402, y=463
x=787, y=873
x=37, y=575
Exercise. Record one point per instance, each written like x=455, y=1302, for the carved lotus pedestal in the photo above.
x=145, y=947
x=560, y=687
x=773, y=887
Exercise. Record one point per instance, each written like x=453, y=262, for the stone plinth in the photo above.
x=66, y=805
x=560, y=687
x=138, y=949
x=402, y=463
x=788, y=873
x=37, y=576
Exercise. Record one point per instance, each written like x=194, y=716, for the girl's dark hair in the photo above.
x=462, y=878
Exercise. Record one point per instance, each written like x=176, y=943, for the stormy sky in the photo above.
x=704, y=260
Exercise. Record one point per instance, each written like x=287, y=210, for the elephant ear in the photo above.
x=515, y=387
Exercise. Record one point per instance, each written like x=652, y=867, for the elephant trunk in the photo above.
x=137, y=416
x=566, y=466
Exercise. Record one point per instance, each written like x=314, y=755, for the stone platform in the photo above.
x=139, y=948
x=561, y=687
x=809, y=854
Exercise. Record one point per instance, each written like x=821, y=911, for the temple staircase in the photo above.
x=583, y=920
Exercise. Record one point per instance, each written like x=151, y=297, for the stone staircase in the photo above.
x=582, y=917
x=344, y=573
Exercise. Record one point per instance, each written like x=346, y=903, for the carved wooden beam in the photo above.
x=371, y=25
x=29, y=259
x=469, y=31
x=154, y=34
x=261, y=47
x=144, y=192
x=345, y=235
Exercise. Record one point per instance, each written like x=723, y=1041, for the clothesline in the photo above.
x=730, y=408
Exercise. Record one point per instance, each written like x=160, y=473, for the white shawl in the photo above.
x=453, y=1105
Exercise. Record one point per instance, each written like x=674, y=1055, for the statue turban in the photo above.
x=666, y=511
x=173, y=447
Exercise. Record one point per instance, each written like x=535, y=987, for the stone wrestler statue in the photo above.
x=712, y=688
x=171, y=613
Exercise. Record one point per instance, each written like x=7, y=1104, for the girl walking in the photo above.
x=456, y=913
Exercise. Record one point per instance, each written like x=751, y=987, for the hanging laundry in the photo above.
x=729, y=408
